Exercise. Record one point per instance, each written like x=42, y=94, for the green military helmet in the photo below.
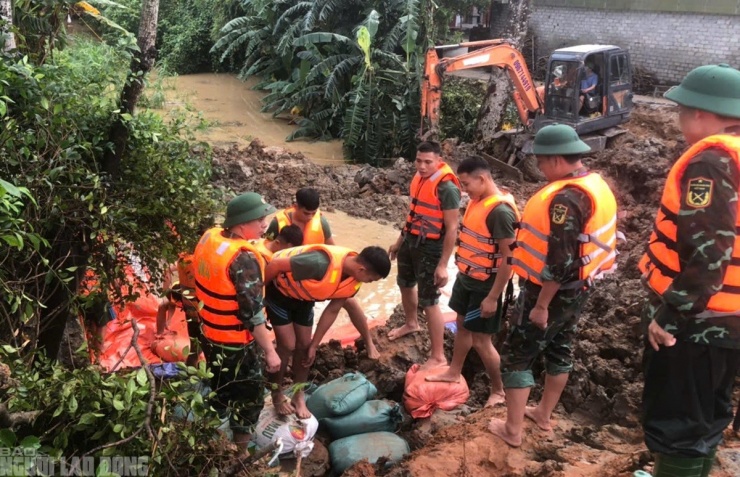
x=713, y=88
x=245, y=208
x=558, y=140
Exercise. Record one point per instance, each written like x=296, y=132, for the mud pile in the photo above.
x=361, y=191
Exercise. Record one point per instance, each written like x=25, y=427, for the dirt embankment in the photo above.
x=597, y=431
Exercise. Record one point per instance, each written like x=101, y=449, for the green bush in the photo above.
x=461, y=102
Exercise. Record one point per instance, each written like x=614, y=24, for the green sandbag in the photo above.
x=341, y=396
x=372, y=446
x=373, y=416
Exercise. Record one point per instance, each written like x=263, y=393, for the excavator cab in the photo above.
x=605, y=71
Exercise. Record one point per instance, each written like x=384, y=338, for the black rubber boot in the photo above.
x=668, y=466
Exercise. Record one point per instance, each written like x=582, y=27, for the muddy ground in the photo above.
x=597, y=431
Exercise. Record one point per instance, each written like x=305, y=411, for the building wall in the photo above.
x=667, y=38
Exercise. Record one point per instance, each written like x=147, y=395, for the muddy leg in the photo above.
x=286, y=343
x=492, y=361
x=359, y=321
x=436, y=324
x=300, y=371
x=510, y=431
x=554, y=385
x=463, y=343
x=410, y=302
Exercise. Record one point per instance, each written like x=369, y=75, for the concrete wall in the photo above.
x=665, y=43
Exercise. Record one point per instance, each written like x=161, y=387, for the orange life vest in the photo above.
x=661, y=264
x=478, y=254
x=261, y=246
x=598, y=240
x=186, y=274
x=425, y=217
x=215, y=290
x=313, y=232
x=330, y=287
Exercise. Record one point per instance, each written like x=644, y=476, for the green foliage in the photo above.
x=364, y=89
x=461, y=102
x=83, y=409
x=53, y=134
x=39, y=26
x=185, y=32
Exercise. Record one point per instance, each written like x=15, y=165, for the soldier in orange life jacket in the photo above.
x=566, y=240
x=305, y=214
x=229, y=279
x=425, y=246
x=289, y=237
x=486, y=236
x=692, y=271
x=297, y=278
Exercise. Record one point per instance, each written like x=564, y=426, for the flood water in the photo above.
x=233, y=109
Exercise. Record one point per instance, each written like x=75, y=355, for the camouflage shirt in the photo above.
x=245, y=273
x=705, y=238
x=570, y=209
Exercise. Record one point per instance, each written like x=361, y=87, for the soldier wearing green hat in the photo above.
x=692, y=271
x=229, y=274
x=565, y=242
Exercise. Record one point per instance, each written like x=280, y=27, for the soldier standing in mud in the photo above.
x=692, y=269
x=296, y=279
x=305, y=214
x=425, y=246
x=566, y=240
x=229, y=274
x=486, y=236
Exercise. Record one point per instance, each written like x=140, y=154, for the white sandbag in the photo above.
x=296, y=434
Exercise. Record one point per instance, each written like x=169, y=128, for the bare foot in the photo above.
x=497, y=427
x=495, y=399
x=446, y=377
x=372, y=351
x=283, y=407
x=402, y=331
x=531, y=413
x=432, y=363
x=299, y=404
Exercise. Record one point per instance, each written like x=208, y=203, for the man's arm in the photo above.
x=276, y=267
x=328, y=317
x=451, y=220
x=328, y=236
x=569, y=210
x=705, y=236
x=500, y=223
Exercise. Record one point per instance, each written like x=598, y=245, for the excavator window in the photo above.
x=562, y=93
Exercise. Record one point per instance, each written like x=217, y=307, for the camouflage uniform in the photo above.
x=699, y=367
x=238, y=372
x=525, y=341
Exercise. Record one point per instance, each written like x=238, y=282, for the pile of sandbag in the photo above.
x=362, y=428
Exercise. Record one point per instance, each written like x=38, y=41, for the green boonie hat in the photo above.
x=713, y=88
x=558, y=140
x=245, y=208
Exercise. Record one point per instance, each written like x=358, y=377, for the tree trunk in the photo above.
x=141, y=64
x=498, y=97
x=6, y=15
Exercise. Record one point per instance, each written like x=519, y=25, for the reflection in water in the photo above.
x=234, y=110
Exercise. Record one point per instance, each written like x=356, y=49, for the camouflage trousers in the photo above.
x=238, y=381
x=525, y=342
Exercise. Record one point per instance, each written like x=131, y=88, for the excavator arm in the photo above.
x=497, y=53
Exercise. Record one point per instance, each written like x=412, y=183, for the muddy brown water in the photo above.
x=232, y=108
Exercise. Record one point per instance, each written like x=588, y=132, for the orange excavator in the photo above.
x=559, y=100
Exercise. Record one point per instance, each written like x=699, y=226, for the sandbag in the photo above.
x=340, y=396
x=346, y=452
x=296, y=434
x=421, y=398
x=373, y=416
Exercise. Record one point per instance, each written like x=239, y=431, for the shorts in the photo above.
x=467, y=295
x=283, y=310
x=525, y=341
x=240, y=387
x=416, y=265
